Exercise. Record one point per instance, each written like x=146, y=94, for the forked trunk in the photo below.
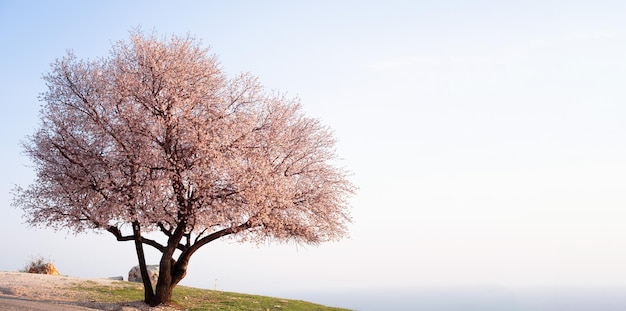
x=163, y=294
x=170, y=273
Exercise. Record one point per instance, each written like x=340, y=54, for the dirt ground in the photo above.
x=18, y=287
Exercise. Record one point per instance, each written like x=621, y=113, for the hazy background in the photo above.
x=487, y=138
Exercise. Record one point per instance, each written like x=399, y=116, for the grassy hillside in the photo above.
x=188, y=298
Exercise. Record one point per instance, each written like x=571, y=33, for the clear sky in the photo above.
x=488, y=138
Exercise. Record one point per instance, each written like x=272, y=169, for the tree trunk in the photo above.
x=170, y=273
x=147, y=285
x=163, y=294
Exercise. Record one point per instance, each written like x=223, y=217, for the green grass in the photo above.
x=194, y=299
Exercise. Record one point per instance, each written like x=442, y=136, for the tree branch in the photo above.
x=214, y=236
x=165, y=230
x=118, y=235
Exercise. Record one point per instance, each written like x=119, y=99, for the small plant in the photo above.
x=35, y=263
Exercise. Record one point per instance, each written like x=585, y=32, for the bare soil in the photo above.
x=57, y=290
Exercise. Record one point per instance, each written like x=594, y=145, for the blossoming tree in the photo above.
x=156, y=138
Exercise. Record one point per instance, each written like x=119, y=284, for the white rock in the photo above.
x=134, y=275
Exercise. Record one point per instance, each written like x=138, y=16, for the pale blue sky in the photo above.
x=487, y=137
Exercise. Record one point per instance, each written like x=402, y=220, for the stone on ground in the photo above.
x=134, y=275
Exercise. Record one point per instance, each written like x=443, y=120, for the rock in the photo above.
x=45, y=268
x=134, y=275
x=117, y=278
